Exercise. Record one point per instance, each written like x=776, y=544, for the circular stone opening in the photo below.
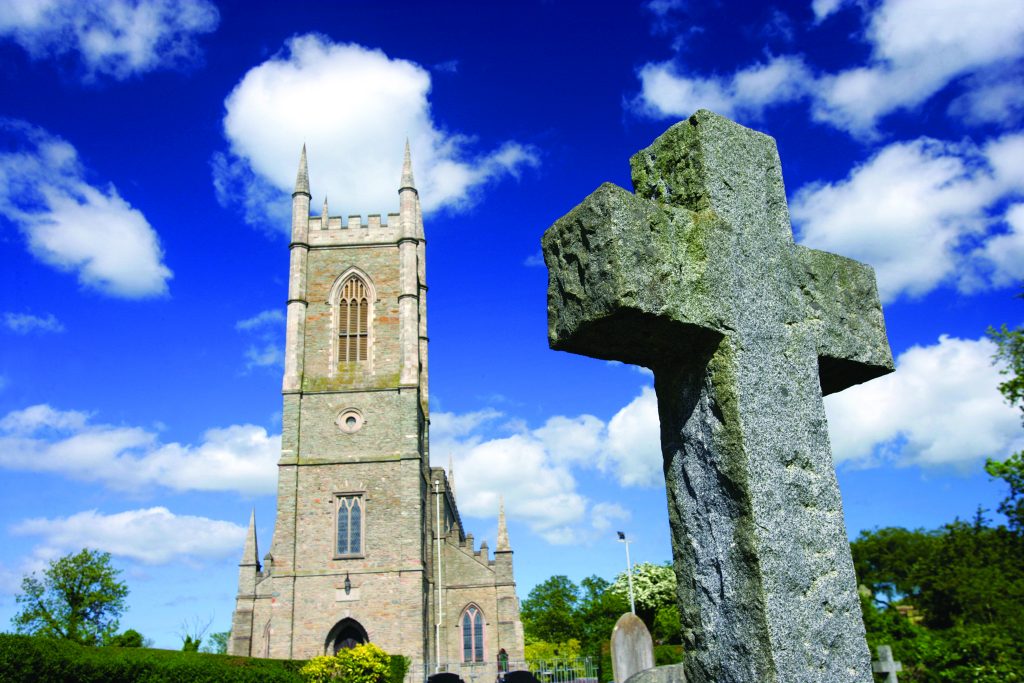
x=349, y=420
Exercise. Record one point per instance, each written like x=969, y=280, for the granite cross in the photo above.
x=697, y=277
x=886, y=665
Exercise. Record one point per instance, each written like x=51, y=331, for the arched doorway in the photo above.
x=345, y=634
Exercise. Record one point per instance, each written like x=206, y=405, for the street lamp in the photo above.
x=629, y=571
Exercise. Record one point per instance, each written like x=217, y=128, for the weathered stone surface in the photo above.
x=632, y=647
x=697, y=277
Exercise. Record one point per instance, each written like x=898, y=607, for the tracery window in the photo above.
x=350, y=525
x=353, y=320
x=472, y=635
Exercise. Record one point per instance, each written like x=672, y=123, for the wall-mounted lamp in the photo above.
x=348, y=584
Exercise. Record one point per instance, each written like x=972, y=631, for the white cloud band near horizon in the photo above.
x=241, y=458
x=151, y=535
x=72, y=225
x=353, y=107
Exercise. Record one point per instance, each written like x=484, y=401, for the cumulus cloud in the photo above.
x=353, y=107
x=919, y=212
x=40, y=438
x=666, y=91
x=26, y=323
x=152, y=535
x=266, y=329
x=72, y=225
x=535, y=468
x=918, y=47
x=116, y=38
x=939, y=408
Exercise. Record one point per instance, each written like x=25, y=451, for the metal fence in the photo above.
x=560, y=670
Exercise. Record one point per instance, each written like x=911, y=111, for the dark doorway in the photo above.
x=346, y=633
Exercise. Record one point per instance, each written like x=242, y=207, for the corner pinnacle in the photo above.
x=302, y=178
x=250, y=555
x=407, y=180
x=503, y=543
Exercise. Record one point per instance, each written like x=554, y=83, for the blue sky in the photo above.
x=148, y=152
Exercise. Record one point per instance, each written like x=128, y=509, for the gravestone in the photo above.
x=520, y=676
x=444, y=677
x=886, y=665
x=697, y=277
x=632, y=647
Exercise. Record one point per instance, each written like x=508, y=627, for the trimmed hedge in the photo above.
x=29, y=659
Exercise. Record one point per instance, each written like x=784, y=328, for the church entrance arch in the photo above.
x=346, y=633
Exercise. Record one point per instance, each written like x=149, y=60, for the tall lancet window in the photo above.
x=350, y=525
x=472, y=635
x=353, y=320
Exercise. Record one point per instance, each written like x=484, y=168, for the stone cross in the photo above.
x=632, y=647
x=697, y=277
x=886, y=665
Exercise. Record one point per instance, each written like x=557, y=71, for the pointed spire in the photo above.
x=502, y=526
x=451, y=475
x=250, y=555
x=407, y=180
x=302, y=178
x=324, y=214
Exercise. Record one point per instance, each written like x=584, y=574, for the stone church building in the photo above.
x=368, y=544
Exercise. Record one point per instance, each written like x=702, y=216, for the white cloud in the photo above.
x=939, y=408
x=534, y=469
x=153, y=535
x=633, y=449
x=267, y=350
x=269, y=318
x=919, y=213
x=72, y=225
x=666, y=92
x=239, y=458
x=825, y=8
x=604, y=515
x=118, y=38
x=353, y=107
x=26, y=323
x=918, y=47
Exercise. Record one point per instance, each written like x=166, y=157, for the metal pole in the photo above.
x=629, y=572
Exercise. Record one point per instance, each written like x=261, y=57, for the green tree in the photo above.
x=549, y=611
x=887, y=561
x=130, y=638
x=79, y=597
x=1010, y=350
x=217, y=643
x=597, y=611
x=654, y=589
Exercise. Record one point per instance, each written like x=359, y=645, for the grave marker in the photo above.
x=632, y=647
x=697, y=277
x=886, y=665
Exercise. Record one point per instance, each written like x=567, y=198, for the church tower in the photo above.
x=365, y=529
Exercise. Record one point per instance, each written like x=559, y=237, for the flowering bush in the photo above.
x=364, y=663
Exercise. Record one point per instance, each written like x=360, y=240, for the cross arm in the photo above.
x=632, y=279
x=841, y=301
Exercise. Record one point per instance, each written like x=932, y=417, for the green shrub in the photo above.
x=399, y=667
x=29, y=659
x=667, y=654
x=364, y=663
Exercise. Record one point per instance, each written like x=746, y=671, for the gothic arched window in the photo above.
x=353, y=320
x=350, y=525
x=472, y=635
